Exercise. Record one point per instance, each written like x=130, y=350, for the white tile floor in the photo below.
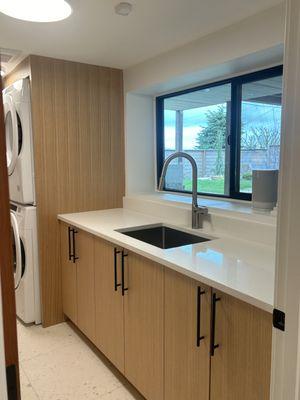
x=56, y=364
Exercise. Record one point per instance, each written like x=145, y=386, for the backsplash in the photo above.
x=255, y=228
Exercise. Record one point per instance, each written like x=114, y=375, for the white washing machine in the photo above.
x=19, y=141
x=25, y=258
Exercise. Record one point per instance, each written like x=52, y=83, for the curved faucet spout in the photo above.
x=196, y=211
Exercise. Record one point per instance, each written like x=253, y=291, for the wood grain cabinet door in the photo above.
x=187, y=338
x=143, y=316
x=241, y=364
x=69, y=274
x=84, y=258
x=109, y=302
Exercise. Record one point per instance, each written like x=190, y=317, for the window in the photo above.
x=230, y=128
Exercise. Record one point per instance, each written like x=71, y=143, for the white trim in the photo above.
x=286, y=345
x=3, y=387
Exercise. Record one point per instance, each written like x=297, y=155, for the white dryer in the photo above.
x=25, y=262
x=19, y=141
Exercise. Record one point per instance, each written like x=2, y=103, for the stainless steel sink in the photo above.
x=162, y=236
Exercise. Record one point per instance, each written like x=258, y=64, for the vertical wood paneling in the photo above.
x=85, y=284
x=69, y=277
x=78, y=278
x=144, y=326
x=186, y=365
x=79, y=155
x=241, y=366
x=109, y=304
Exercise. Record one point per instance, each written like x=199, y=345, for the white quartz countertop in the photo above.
x=243, y=269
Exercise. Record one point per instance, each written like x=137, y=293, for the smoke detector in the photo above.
x=123, y=8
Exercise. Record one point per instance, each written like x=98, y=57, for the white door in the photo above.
x=11, y=132
x=18, y=255
x=286, y=344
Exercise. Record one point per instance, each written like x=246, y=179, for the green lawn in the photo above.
x=216, y=185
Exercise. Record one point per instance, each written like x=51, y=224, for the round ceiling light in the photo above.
x=36, y=10
x=2, y=73
x=123, y=8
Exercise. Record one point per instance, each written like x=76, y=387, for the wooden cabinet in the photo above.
x=78, y=128
x=172, y=337
x=77, y=258
x=144, y=325
x=69, y=275
x=241, y=365
x=129, y=322
x=109, y=303
x=187, y=320
x=84, y=253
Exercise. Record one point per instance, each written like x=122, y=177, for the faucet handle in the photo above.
x=202, y=210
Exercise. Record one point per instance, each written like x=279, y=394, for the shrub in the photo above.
x=247, y=176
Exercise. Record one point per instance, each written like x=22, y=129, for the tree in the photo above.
x=212, y=137
x=260, y=137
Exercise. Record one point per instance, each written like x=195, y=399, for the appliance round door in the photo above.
x=18, y=257
x=13, y=133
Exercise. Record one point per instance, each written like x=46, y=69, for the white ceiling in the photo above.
x=95, y=34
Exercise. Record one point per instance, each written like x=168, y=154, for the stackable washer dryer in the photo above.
x=19, y=141
x=25, y=257
x=20, y=165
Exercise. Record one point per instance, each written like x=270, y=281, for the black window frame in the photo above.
x=234, y=137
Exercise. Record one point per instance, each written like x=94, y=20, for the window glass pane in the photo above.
x=170, y=129
x=198, y=123
x=260, y=128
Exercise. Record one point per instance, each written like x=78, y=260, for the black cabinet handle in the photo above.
x=69, y=242
x=74, y=247
x=115, y=269
x=199, y=294
x=213, y=345
x=123, y=273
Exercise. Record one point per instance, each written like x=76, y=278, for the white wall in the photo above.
x=254, y=43
x=139, y=143
x=253, y=35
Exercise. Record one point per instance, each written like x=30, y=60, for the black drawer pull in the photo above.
x=199, y=294
x=123, y=273
x=74, y=245
x=69, y=243
x=116, y=252
x=213, y=345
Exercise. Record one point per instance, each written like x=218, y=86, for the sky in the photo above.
x=194, y=120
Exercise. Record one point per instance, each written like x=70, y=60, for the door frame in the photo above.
x=8, y=312
x=3, y=386
x=285, y=382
